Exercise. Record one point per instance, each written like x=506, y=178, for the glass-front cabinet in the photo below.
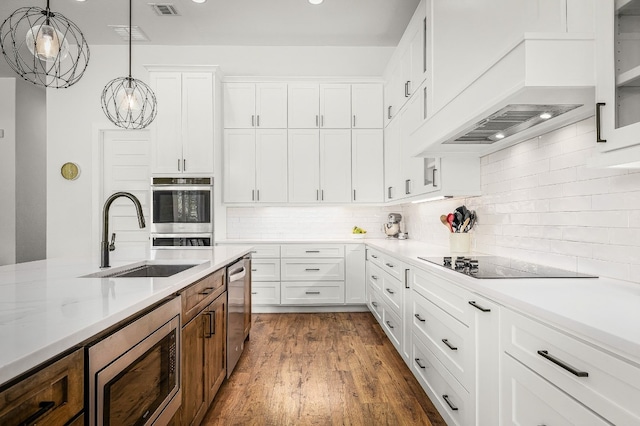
x=618, y=79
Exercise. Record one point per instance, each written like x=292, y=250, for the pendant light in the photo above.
x=44, y=47
x=127, y=102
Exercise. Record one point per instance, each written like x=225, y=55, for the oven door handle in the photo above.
x=237, y=274
x=181, y=187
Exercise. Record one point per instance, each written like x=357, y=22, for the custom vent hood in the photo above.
x=543, y=82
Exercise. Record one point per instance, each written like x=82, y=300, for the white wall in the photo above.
x=541, y=203
x=74, y=113
x=8, y=171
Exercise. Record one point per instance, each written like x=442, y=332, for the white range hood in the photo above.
x=543, y=82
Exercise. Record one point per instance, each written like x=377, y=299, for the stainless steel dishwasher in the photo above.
x=238, y=277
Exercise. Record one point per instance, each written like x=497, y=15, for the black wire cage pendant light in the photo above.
x=44, y=47
x=127, y=102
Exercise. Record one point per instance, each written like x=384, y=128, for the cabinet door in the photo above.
x=335, y=106
x=367, y=166
x=366, y=106
x=271, y=105
x=394, y=188
x=618, y=74
x=418, y=58
x=239, y=166
x=194, y=378
x=197, y=123
x=391, y=98
x=239, y=105
x=355, y=274
x=335, y=166
x=304, y=106
x=166, y=148
x=216, y=345
x=271, y=166
x=413, y=170
x=304, y=166
x=403, y=89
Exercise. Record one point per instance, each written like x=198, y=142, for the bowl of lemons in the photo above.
x=358, y=232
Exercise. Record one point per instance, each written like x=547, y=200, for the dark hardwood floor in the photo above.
x=320, y=369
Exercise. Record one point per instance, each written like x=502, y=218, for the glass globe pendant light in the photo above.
x=127, y=102
x=53, y=53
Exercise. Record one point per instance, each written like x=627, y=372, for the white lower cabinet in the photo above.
x=355, y=288
x=312, y=293
x=265, y=293
x=312, y=269
x=528, y=399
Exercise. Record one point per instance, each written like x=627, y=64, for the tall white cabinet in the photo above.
x=183, y=131
x=255, y=105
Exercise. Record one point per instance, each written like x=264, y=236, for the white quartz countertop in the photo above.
x=46, y=307
x=602, y=311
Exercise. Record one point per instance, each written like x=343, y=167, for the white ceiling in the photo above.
x=240, y=22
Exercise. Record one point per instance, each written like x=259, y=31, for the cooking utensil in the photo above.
x=443, y=219
x=450, y=221
x=473, y=220
x=464, y=224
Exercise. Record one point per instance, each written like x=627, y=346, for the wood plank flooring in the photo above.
x=320, y=369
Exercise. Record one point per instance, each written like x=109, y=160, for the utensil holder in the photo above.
x=459, y=242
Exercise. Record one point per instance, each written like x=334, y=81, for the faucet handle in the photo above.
x=112, y=246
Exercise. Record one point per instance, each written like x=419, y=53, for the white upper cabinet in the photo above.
x=366, y=106
x=304, y=106
x=618, y=82
x=335, y=166
x=260, y=105
x=271, y=165
x=335, y=106
x=392, y=162
x=182, y=133
x=239, y=165
x=304, y=170
x=367, y=168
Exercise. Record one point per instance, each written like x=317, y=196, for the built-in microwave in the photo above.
x=182, y=205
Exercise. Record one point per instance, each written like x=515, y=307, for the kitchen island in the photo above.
x=47, y=307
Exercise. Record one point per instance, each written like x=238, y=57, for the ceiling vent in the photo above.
x=123, y=32
x=164, y=9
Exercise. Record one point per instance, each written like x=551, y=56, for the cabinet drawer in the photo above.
x=392, y=325
x=200, y=294
x=265, y=293
x=312, y=293
x=528, y=399
x=612, y=387
x=312, y=250
x=451, y=399
x=449, y=340
x=60, y=384
x=312, y=269
x=387, y=263
x=444, y=294
x=375, y=303
x=375, y=276
x=265, y=250
x=392, y=293
x=265, y=270
x=375, y=257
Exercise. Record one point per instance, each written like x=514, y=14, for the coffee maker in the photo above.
x=392, y=227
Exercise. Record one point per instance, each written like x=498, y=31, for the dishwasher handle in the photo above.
x=237, y=274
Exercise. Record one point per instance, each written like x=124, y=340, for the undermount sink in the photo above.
x=145, y=270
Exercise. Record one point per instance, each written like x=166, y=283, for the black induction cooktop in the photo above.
x=495, y=267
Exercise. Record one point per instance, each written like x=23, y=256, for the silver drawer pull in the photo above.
x=449, y=345
x=374, y=277
x=475, y=305
x=419, y=318
x=560, y=363
x=420, y=364
x=375, y=304
x=374, y=256
x=389, y=265
x=254, y=292
x=253, y=270
x=311, y=292
x=312, y=251
x=449, y=403
x=312, y=269
x=390, y=326
x=390, y=291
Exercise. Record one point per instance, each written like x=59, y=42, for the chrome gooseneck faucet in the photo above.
x=105, y=247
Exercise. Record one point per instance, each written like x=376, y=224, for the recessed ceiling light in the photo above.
x=198, y=1
x=499, y=135
x=545, y=116
x=315, y=1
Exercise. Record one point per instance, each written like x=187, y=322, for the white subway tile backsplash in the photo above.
x=618, y=201
x=586, y=234
x=570, y=204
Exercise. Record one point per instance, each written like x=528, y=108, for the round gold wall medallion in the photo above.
x=70, y=171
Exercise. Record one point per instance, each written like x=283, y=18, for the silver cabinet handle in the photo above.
x=311, y=292
x=374, y=256
x=406, y=89
x=354, y=195
x=390, y=326
x=253, y=121
x=449, y=403
x=322, y=120
x=449, y=345
x=407, y=186
x=322, y=195
x=312, y=269
x=562, y=364
x=253, y=195
x=475, y=305
x=316, y=121
x=184, y=165
x=389, y=112
x=312, y=251
x=258, y=120
x=375, y=304
x=599, y=139
x=317, y=195
x=390, y=265
x=420, y=318
x=389, y=193
x=406, y=278
x=178, y=164
x=433, y=177
x=254, y=292
x=354, y=121
x=420, y=364
x=374, y=277
x=390, y=291
x=254, y=270
x=257, y=195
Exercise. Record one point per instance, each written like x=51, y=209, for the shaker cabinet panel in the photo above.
x=271, y=166
x=239, y=105
x=304, y=106
x=335, y=106
x=335, y=166
x=304, y=172
x=366, y=106
x=271, y=105
x=197, y=116
x=367, y=160
x=240, y=161
x=167, y=127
